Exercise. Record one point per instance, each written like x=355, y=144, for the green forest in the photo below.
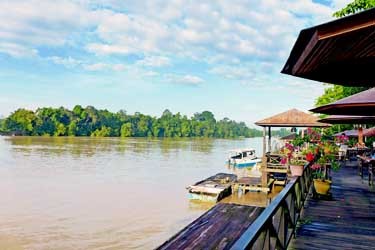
x=90, y=121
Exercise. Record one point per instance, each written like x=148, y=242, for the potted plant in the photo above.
x=296, y=166
x=321, y=173
x=310, y=152
x=321, y=184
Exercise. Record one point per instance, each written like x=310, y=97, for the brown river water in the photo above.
x=107, y=193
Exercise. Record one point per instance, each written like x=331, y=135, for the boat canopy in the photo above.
x=242, y=150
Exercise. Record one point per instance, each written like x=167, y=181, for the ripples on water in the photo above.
x=107, y=193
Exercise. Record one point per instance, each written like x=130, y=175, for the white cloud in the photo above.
x=68, y=62
x=233, y=72
x=43, y=22
x=184, y=79
x=105, y=49
x=95, y=67
x=118, y=67
x=17, y=50
x=104, y=66
x=238, y=39
x=155, y=61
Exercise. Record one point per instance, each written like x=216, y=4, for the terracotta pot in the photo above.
x=322, y=186
x=296, y=170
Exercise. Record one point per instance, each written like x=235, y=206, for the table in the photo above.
x=370, y=163
x=353, y=152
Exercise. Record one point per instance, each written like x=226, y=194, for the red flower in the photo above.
x=309, y=156
x=283, y=161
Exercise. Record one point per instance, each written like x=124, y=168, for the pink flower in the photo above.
x=315, y=166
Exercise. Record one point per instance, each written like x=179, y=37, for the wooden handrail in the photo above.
x=274, y=228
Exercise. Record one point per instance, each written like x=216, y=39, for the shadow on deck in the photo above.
x=345, y=222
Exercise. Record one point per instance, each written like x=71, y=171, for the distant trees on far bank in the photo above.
x=90, y=121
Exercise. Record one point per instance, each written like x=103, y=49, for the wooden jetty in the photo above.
x=213, y=188
x=345, y=222
x=218, y=228
x=251, y=184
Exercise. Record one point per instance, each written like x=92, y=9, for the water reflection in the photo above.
x=103, y=193
x=88, y=147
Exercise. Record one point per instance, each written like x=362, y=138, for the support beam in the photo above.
x=264, y=141
x=360, y=136
x=269, y=139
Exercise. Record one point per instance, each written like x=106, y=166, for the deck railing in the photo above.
x=275, y=227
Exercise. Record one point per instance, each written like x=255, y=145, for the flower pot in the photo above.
x=322, y=186
x=296, y=170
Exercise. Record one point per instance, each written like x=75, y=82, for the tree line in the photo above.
x=90, y=121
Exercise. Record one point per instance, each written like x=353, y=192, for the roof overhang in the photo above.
x=341, y=119
x=340, y=52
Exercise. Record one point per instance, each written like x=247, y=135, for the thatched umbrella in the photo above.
x=360, y=104
x=348, y=133
x=342, y=119
x=290, y=118
x=370, y=132
x=340, y=52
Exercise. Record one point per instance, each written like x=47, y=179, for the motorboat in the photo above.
x=243, y=158
x=213, y=188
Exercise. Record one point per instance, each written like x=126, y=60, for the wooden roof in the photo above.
x=341, y=51
x=360, y=104
x=349, y=133
x=291, y=118
x=343, y=119
x=289, y=137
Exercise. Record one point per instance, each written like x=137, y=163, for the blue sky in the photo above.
x=146, y=56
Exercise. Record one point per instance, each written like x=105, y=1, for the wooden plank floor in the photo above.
x=218, y=228
x=345, y=222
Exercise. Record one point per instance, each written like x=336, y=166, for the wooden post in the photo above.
x=264, y=160
x=269, y=139
x=264, y=141
x=264, y=172
x=360, y=136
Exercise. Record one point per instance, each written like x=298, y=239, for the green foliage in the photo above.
x=22, y=121
x=281, y=132
x=102, y=132
x=336, y=92
x=102, y=123
x=127, y=130
x=2, y=121
x=299, y=141
x=354, y=7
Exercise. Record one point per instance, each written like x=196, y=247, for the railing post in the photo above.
x=296, y=192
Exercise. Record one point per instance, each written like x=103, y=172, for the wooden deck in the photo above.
x=345, y=222
x=218, y=228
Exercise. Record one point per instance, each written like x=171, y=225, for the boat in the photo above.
x=213, y=188
x=243, y=158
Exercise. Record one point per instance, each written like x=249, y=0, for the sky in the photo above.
x=147, y=56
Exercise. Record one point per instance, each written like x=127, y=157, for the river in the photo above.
x=106, y=193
